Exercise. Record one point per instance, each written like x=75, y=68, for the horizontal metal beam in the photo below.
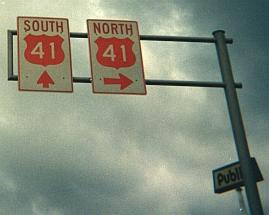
x=189, y=83
x=181, y=39
x=156, y=38
x=158, y=82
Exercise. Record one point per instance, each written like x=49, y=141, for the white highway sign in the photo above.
x=44, y=56
x=115, y=56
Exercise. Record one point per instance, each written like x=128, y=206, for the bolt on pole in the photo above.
x=254, y=201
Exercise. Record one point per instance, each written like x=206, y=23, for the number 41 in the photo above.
x=38, y=50
x=109, y=52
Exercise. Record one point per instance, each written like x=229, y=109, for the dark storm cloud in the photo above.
x=247, y=23
x=157, y=17
x=82, y=170
x=41, y=177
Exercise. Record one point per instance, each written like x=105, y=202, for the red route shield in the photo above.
x=114, y=52
x=43, y=49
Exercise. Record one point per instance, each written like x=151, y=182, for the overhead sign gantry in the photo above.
x=106, y=55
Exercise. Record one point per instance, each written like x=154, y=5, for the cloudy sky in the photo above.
x=82, y=153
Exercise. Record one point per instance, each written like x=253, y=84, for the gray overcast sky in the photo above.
x=82, y=153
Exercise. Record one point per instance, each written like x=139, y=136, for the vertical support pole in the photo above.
x=249, y=178
x=10, y=53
